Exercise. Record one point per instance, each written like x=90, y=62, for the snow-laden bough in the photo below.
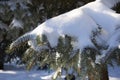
x=79, y=24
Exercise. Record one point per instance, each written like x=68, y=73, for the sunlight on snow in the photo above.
x=7, y=72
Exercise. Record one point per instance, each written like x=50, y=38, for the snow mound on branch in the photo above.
x=16, y=23
x=105, y=17
x=79, y=23
x=74, y=23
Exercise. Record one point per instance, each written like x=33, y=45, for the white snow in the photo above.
x=114, y=72
x=25, y=75
x=119, y=46
x=103, y=16
x=16, y=23
x=15, y=72
x=20, y=74
x=74, y=23
x=79, y=23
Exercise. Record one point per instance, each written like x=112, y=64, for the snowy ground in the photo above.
x=114, y=73
x=13, y=72
x=24, y=75
x=20, y=74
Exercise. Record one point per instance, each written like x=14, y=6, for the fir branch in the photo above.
x=116, y=7
x=107, y=54
x=20, y=41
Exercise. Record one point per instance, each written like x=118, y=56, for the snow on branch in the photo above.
x=79, y=24
x=16, y=23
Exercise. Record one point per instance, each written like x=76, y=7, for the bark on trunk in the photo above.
x=1, y=66
x=104, y=72
x=91, y=77
x=100, y=74
x=1, y=60
x=3, y=45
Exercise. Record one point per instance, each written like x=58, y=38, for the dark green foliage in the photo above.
x=33, y=57
x=88, y=65
x=115, y=56
x=31, y=13
x=117, y=7
x=67, y=56
x=6, y=16
x=95, y=34
x=61, y=56
x=70, y=77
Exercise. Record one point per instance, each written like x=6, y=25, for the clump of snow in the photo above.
x=119, y=46
x=32, y=43
x=79, y=24
x=105, y=17
x=41, y=7
x=98, y=58
x=16, y=23
x=74, y=23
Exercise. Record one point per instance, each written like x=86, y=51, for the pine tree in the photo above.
x=63, y=57
x=83, y=63
x=18, y=17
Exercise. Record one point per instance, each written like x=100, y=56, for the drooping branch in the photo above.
x=107, y=53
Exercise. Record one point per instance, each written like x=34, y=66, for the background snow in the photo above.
x=13, y=72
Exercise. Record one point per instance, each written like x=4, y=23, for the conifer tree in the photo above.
x=35, y=12
x=18, y=17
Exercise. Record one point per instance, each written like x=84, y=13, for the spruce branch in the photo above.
x=20, y=41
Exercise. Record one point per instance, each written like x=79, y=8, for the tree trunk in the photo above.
x=1, y=60
x=1, y=66
x=3, y=45
x=104, y=72
x=100, y=73
x=91, y=76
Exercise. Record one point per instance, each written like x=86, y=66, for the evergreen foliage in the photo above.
x=29, y=14
x=19, y=17
x=59, y=57
x=63, y=57
x=117, y=7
